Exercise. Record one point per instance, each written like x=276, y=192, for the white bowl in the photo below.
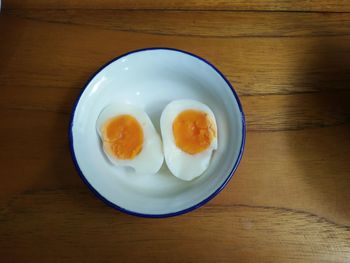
x=151, y=78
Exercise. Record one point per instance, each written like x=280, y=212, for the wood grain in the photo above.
x=321, y=64
x=200, y=23
x=296, y=170
x=288, y=201
x=238, y=5
x=223, y=233
x=292, y=112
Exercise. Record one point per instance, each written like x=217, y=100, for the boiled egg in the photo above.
x=129, y=138
x=189, y=135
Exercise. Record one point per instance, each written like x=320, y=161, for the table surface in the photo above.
x=288, y=60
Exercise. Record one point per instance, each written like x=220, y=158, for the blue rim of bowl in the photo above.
x=186, y=210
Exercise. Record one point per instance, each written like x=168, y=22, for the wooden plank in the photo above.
x=63, y=226
x=255, y=66
x=295, y=112
x=200, y=23
x=270, y=5
x=263, y=113
x=305, y=170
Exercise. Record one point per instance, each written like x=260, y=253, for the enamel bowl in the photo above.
x=151, y=78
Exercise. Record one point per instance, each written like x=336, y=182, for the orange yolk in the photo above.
x=193, y=131
x=123, y=137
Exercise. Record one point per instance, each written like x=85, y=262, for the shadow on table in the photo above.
x=328, y=145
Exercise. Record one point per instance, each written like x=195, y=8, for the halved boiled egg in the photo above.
x=129, y=138
x=189, y=137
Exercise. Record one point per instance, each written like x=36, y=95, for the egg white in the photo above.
x=151, y=157
x=183, y=165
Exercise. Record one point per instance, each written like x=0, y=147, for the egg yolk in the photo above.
x=193, y=131
x=123, y=136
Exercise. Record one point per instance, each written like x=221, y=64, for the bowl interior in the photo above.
x=151, y=79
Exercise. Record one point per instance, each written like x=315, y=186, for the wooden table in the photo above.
x=288, y=60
